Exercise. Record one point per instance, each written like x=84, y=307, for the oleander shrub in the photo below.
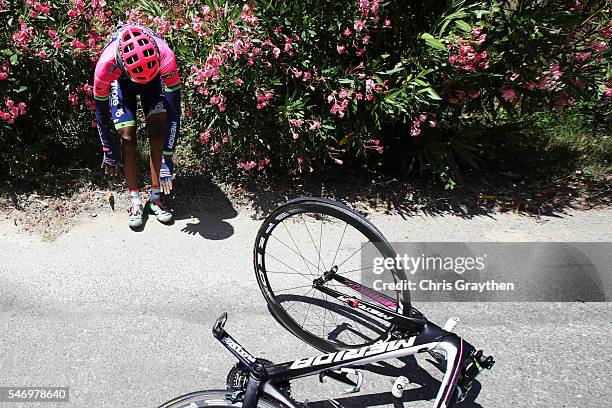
x=292, y=87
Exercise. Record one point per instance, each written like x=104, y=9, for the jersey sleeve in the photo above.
x=168, y=68
x=105, y=73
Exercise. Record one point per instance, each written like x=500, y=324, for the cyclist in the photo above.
x=134, y=62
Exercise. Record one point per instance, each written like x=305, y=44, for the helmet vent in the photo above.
x=151, y=64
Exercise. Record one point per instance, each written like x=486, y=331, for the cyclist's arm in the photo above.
x=102, y=82
x=172, y=94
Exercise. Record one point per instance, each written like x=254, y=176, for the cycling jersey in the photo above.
x=108, y=71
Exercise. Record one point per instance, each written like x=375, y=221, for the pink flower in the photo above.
x=340, y=49
x=205, y=136
x=599, y=46
x=509, y=94
x=608, y=91
x=532, y=85
x=556, y=71
x=347, y=31
x=387, y=22
x=262, y=164
x=315, y=125
x=370, y=84
x=581, y=57
x=415, y=131
x=221, y=107
x=239, y=81
x=307, y=75
x=73, y=98
x=359, y=25
x=3, y=76
x=276, y=52
x=247, y=165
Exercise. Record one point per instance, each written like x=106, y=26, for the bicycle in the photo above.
x=365, y=325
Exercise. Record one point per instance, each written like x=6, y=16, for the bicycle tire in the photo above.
x=337, y=211
x=213, y=399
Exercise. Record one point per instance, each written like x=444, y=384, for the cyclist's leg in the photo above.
x=123, y=108
x=155, y=112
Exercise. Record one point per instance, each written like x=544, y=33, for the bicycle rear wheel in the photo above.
x=301, y=242
x=213, y=399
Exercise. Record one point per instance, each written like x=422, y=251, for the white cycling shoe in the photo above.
x=136, y=215
x=156, y=208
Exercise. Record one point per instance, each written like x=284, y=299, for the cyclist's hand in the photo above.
x=110, y=163
x=166, y=174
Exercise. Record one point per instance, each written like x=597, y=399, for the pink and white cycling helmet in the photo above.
x=137, y=54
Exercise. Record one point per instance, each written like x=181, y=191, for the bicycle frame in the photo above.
x=417, y=335
x=262, y=379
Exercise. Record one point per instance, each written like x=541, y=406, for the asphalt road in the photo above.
x=124, y=318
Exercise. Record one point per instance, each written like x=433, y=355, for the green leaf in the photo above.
x=22, y=88
x=433, y=42
x=433, y=94
x=462, y=25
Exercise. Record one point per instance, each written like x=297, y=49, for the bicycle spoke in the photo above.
x=338, y=248
x=297, y=247
x=360, y=248
x=313, y=243
x=306, y=261
x=293, y=287
x=293, y=269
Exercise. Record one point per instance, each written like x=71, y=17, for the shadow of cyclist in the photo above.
x=205, y=205
x=424, y=388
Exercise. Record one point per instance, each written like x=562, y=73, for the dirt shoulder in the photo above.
x=61, y=202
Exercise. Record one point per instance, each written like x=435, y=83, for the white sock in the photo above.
x=135, y=196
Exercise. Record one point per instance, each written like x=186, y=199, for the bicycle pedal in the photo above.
x=342, y=377
x=333, y=402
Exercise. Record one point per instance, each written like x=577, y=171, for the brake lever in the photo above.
x=219, y=326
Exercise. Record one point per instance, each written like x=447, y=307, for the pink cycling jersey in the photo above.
x=107, y=69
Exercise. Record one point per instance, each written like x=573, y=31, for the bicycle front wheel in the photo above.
x=213, y=399
x=308, y=240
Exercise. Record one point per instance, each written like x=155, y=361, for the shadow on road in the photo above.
x=201, y=200
x=424, y=388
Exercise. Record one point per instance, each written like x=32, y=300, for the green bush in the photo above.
x=294, y=86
